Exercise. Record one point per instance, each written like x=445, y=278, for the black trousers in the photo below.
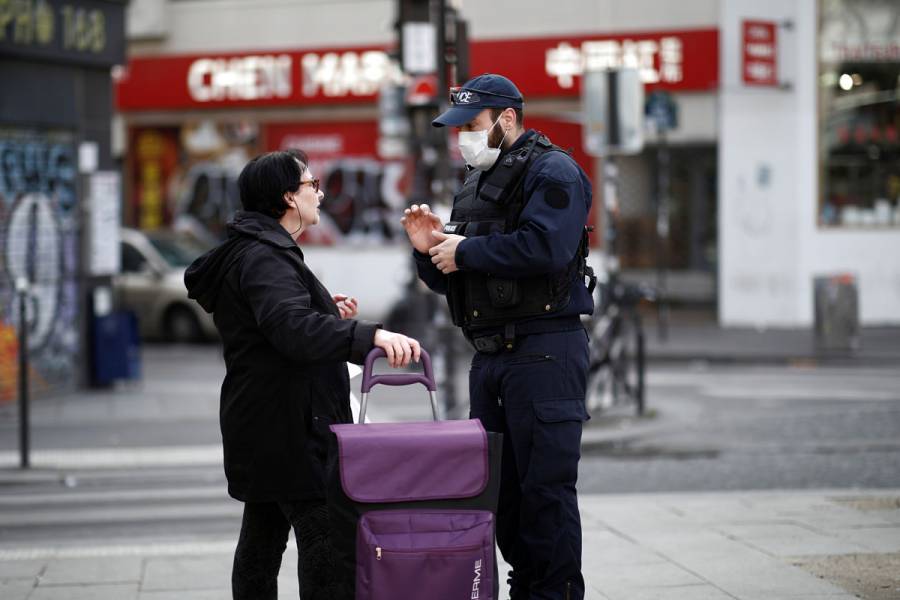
x=263, y=539
x=534, y=396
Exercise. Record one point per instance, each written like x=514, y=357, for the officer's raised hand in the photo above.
x=443, y=255
x=419, y=222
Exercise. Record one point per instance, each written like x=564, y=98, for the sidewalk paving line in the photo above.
x=155, y=549
x=123, y=515
x=87, y=458
x=55, y=497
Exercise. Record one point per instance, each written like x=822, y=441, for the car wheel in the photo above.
x=181, y=325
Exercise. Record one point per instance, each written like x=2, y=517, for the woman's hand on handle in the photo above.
x=400, y=349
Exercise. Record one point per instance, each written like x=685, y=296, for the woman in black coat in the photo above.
x=286, y=340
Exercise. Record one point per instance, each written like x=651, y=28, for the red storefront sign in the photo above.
x=541, y=67
x=325, y=141
x=289, y=78
x=760, y=53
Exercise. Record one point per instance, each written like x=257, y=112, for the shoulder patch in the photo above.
x=557, y=197
x=557, y=166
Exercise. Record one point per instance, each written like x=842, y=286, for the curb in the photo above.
x=45, y=461
x=597, y=436
x=774, y=360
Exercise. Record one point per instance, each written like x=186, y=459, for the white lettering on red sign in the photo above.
x=657, y=61
x=760, y=50
x=315, y=145
x=347, y=73
x=760, y=55
x=240, y=78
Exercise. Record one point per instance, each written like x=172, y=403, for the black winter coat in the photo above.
x=285, y=346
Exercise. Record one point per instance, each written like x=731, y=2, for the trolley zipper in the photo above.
x=379, y=551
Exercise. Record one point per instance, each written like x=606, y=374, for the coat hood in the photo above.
x=205, y=276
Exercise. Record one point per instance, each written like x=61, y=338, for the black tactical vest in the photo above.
x=492, y=202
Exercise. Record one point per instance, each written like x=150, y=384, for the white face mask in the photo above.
x=473, y=145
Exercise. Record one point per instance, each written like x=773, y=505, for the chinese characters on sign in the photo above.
x=760, y=53
x=656, y=60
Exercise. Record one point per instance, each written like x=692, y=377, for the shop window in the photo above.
x=859, y=113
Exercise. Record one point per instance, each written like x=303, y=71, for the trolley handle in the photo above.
x=370, y=380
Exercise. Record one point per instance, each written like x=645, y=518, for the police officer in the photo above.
x=511, y=262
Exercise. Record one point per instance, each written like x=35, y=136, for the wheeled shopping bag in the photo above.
x=413, y=504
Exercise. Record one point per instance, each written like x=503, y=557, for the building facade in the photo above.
x=758, y=206
x=809, y=180
x=55, y=112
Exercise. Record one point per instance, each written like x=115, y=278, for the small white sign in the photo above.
x=103, y=301
x=105, y=214
x=612, y=104
x=88, y=157
x=419, y=48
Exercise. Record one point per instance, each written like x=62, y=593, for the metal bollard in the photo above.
x=24, y=444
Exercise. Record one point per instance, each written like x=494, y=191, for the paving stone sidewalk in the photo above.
x=736, y=545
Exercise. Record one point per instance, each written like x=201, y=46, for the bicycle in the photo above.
x=616, y=374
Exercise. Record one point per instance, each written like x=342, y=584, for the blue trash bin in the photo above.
x=116, y=348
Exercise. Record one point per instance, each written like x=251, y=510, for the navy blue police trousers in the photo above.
x=534, y=395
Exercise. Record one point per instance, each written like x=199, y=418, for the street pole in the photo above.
x=24, y=444
x=662, y=236
x=610, y=214
x=442, y=178
x=432, y=175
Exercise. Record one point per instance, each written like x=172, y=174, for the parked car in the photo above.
x=152, y=285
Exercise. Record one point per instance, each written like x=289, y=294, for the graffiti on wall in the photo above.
x=39, y=244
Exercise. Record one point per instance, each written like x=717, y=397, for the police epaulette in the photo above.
x=503, y=182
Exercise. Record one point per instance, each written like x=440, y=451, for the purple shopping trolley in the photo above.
x=413, y=504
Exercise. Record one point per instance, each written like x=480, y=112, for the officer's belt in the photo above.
x=493, y=340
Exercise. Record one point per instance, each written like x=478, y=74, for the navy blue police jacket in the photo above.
x=557, y=202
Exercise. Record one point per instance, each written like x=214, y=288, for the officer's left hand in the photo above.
x=443, y=255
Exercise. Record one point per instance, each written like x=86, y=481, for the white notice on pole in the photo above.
x=88, y=157
x=105, y=211
x=419, y=51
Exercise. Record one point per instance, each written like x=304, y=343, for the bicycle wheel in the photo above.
x=599, y=395
x=629, y=365
x=641, y=393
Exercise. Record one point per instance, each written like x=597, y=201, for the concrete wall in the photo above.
x=766, y=172
x=771, y=247
x=514, y=18
x=223, y=25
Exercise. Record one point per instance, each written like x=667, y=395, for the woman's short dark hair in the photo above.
x=264, y=181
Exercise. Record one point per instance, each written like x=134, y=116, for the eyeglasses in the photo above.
x=458, y=95
x=313, y=182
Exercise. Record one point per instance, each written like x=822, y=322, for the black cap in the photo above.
x=484, y=91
